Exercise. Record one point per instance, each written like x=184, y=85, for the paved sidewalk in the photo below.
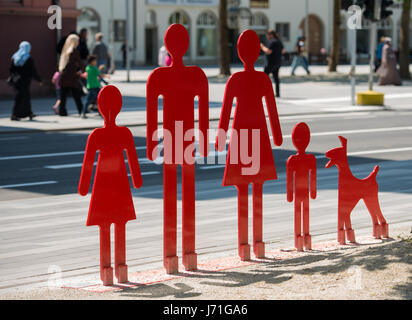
x=321, y=92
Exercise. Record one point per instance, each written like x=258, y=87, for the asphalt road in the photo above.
x=43, y=219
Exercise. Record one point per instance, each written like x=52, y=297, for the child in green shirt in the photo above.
x=93, y=83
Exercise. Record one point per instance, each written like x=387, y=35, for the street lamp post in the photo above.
x=127, y=41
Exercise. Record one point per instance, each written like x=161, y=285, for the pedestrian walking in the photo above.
x=273, y=53
x=70, y=67
x=101, y=51
x=388, y=72
x=161, y=61
x=379, y=53
x=300, y=58
x=83, y=49
x=124, y=53
x=22, y=70
x=56, y=81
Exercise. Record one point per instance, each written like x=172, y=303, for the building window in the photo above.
x=259, y=24
x=259, y=3
x=119, y=30
x=283, y=29
x=206, y=35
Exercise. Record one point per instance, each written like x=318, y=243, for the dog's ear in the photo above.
x=344, y=141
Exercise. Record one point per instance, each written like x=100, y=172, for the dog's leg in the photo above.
x=350, y=233
x=379, y=230
x=341, y=230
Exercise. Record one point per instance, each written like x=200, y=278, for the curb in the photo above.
x=30, y=130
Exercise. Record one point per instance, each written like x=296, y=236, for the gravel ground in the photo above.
x=378, y=271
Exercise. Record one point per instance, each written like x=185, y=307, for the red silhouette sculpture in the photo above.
x=351, y=190
x=301, y=177
x=249, y=87
x=111, y=200
x=179, y=85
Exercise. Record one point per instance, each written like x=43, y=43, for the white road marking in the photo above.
x=372, y=152
x=27, y=184
x=160, y=160
x=212, y=167
x=13, y=138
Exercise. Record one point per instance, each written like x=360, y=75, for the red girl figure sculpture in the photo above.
x=300, y=178
x=111, y=200
x=249, y=87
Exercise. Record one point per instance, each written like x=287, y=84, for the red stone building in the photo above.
x=27, y=20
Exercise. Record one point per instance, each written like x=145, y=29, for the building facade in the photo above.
x=149, y=19
x=26, y=20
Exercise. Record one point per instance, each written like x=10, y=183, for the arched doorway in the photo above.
x=90, y=20
x=316, y=34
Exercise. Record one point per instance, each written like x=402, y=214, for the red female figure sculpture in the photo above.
x=300, y=178
x=351, y=190
x=111, y=200
x=179, y=85
x=249, y=87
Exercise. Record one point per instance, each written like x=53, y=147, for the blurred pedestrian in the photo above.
x=161, y=61
x=70, y=67
x=300, y=58
x=93, y=84
x=83, y=49
x=101, y=51
x=22, y=70
x=388, y=72
x=124, y=53
x=56, y=81
x=379, y=53
x=62, y=41
x=273, y=61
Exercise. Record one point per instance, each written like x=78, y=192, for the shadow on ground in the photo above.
x=273, y=272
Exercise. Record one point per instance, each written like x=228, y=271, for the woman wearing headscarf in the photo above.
x=388, y=72
x=22, y=70
x=70, y=67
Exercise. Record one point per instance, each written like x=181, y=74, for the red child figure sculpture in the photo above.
x=111, y=200
x=249, y=87
x=298, y=170
x=351, y=190
x=179, y=85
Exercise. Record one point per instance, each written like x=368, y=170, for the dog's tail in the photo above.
x=374, y=173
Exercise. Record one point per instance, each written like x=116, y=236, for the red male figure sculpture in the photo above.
x=299, y=168
x=178, y=85
x=249, y=87
x=351, y=190
x=111, y=200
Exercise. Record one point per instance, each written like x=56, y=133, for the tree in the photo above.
x=334, y=53
x=404, y=40
x=224, y=59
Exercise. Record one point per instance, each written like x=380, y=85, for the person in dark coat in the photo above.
x=83, y=49
x=273, y=52
x=70, y=67
x=22, y=70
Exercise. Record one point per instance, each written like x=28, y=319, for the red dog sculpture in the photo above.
x=111, y=200
x=351, y=190
x=300, y=178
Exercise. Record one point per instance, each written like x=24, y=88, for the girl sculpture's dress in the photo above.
x=250, y=158
x=111, y=196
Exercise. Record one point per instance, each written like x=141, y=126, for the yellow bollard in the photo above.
x=370, y=98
